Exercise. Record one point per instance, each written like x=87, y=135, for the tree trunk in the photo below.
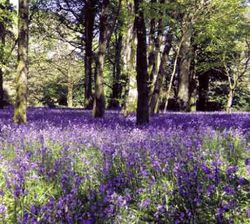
x=152, y=50
x=193, y=98
x=203, y=80
x=2, y=45
x=185, y=63
x=142, y=113
x=90, y=12
x=230, y=100
x=175, y=68
x=116, y=88
x=154, y=102
x=70, y=91
x=1, y=90
x=128, y=60
x=193, y=83
x=99, y=101
x=155, y=50
x=22, y=67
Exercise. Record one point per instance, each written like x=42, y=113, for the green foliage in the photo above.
x=6, y=12
x=220, y=30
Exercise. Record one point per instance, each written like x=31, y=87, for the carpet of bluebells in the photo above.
x=66, y=167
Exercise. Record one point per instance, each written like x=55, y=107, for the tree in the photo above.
x=117, y=66
x=106, y=29
x=89, y=19
x=186, y=54
x=236, y=67
x=2, y=46
x=121, y=58
x=99, y=99
x=142, y=112
x=20, y=116
x=5, y=21
x=128, y=52
x=154, y=102
x=156, y=38
x=226, y=53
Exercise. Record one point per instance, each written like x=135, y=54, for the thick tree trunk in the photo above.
x=154, y=102
x=90, y=12
x=185, y=63
x=142, y=113
x=99, y=101
x=22, y=67
x=2, y=44
x=203, y=80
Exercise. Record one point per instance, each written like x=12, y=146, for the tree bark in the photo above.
x=154, y=102
x=203, y=80
x=2, y=45
x=142, y=112
x=230, y=100
x=116, y=88
x=99, y=101
x=193, y=82
x=1, y=90
x=175, y=68
x=22, y=67
x=89, y=13
x=128, y=59
x=152, y=50
x=70, y=91
x=185, y=63
x=193, y=97
x=155, y=41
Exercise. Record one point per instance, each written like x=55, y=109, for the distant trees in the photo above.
x=222, y=56
x=23, y=64
x=135, y=55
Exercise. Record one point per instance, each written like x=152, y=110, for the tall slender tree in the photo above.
x=22, y=67
x=4, y=23
x=116, y=85
x=2, y=44
x=142, y=112
x=154, y=102
x=89, y=19
x=128, y=52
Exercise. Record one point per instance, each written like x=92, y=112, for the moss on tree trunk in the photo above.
x=22, y=67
